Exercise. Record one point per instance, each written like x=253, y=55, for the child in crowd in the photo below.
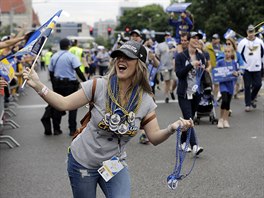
x=227, y=87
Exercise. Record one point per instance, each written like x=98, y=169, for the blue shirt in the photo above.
x=63, y=64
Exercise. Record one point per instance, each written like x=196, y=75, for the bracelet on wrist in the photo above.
x=44, y=91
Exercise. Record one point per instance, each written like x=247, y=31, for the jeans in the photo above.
x=252, y=85
x=84, y=181
x=188, y=108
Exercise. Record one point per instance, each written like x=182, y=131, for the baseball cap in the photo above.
x=215, y=36
x=136, y=31
x=193, y=34
x=131, y=49
x=251, y=28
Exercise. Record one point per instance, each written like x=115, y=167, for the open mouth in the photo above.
x=121, y=67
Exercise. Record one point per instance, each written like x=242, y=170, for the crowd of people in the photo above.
x=124, y=96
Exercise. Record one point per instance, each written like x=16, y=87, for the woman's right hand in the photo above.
x=32, y=77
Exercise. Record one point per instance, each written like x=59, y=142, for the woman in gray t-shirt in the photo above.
x=122, y=104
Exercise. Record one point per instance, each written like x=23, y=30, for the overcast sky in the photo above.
x=88, y=11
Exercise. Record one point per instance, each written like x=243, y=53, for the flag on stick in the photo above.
x=37, y=38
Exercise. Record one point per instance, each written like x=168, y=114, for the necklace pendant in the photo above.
x=114, y=121
x=131, y=117
x=122, y=129
x=107, y=119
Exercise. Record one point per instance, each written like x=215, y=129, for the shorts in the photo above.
x=168, y=74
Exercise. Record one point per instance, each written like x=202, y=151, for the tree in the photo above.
x=151, y=17
x=216, y=16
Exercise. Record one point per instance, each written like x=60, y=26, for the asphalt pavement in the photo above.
x=231, y=165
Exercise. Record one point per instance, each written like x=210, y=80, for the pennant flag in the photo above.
x=38, y=37
x=229, y=34
x=7, y=70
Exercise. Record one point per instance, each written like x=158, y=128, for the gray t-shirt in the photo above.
x=165, y=55
x=95, y=145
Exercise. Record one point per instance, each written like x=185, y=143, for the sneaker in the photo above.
x=247, y=109
x=183, y=147
x=143, y=139
x=226, y=124
x=166, y=100
x=220, y=124
x=172, y=96
x=253, y=104
x=197, y=150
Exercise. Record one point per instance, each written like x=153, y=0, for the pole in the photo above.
x=33, y=65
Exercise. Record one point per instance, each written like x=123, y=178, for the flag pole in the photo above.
x=33, y=65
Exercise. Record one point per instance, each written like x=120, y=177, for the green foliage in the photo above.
x=216, y=16
x=151, y=17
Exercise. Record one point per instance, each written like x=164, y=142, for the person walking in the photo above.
x=215, y=50
x=122, y=102
x=227, y=87
x=251, y=49
x=189, y=62
x=63, y=69
x=165, y=52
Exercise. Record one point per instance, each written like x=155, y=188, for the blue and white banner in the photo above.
x=229, y=34
x=223, y=74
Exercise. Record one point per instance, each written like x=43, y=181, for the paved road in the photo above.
x=230, y=166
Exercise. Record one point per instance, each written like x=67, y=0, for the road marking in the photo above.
x=162, y=101
x=31, y=106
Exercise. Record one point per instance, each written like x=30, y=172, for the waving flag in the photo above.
x=7, y=70
x=229, y=34
x=177, y=7
x=37, y=38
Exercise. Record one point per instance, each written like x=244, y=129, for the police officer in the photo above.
x=63, y=69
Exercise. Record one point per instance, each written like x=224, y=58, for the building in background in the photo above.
x=17, y=12
x=101, y=28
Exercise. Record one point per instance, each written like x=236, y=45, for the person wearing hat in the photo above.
x=189, y=62
x=251, y=49
x=215, y=50
x=122, y=104
x=63, y=68
x=135, y=35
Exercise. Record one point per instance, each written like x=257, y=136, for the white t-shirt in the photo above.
x=252, y=53
x=94, y=145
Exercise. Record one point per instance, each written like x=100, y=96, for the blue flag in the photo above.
x=37, y=38
x=229, y=34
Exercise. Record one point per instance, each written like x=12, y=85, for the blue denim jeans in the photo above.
x=84, y=181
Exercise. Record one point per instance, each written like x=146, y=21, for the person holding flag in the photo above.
x=122, y=104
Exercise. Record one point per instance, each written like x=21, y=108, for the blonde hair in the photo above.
x=140, y=77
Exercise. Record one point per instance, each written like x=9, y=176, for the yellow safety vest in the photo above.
x=77, y=51
x=47, y=58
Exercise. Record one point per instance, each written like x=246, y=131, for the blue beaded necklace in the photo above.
x=176, y=175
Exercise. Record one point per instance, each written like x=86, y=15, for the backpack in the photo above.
x=84, y=121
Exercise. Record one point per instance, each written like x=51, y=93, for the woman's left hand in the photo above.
x=183, y=124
